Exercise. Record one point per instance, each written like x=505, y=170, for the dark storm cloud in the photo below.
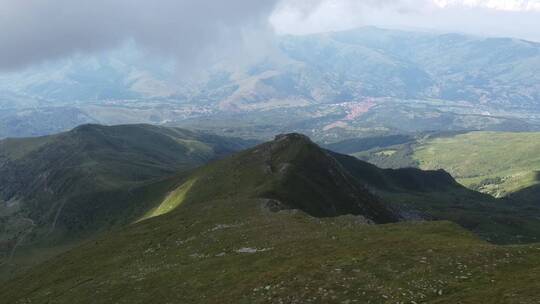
x=35, y=30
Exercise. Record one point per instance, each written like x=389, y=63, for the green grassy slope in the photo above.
x=290, y=172
x=296, y=173
x=502, y=164
x=239, y=231
x=495, y=162
x=233, y=251
x=436, y=195
x=362, y=144
x=62, y=188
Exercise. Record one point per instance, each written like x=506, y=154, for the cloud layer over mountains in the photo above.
x=192, y=31
x=36, y=30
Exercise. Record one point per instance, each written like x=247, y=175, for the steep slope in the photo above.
x=68, y=186
x=295, y=173
x=240, y=231
x=436, y=195
x=290, y=172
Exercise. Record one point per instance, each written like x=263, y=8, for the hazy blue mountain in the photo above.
x=384, y=63
x=330, y=86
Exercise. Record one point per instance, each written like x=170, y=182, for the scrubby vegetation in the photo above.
x=261, y=227
x=60, y=189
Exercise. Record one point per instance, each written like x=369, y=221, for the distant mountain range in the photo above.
x=331, y=86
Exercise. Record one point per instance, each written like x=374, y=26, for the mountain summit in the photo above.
x=294, y=173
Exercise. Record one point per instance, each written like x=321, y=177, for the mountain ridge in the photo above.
x=246, y=216
x=65, y=187
x=331, y=86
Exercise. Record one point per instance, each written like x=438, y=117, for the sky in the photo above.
x=191, y=31
x=513, y=18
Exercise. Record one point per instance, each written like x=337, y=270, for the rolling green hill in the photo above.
x=495, y=162
x=288, y=222
x=503, y=164
x=62, y=188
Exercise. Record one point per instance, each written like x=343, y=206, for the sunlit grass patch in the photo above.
x=172, y=201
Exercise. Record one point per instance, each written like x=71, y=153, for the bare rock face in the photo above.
x=273, y=205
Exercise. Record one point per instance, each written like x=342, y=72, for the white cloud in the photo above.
x=303, y=17
x=502, y=5
x=512, y=18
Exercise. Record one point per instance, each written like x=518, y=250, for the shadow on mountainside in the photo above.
x=529, y=196
x=297, y=174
